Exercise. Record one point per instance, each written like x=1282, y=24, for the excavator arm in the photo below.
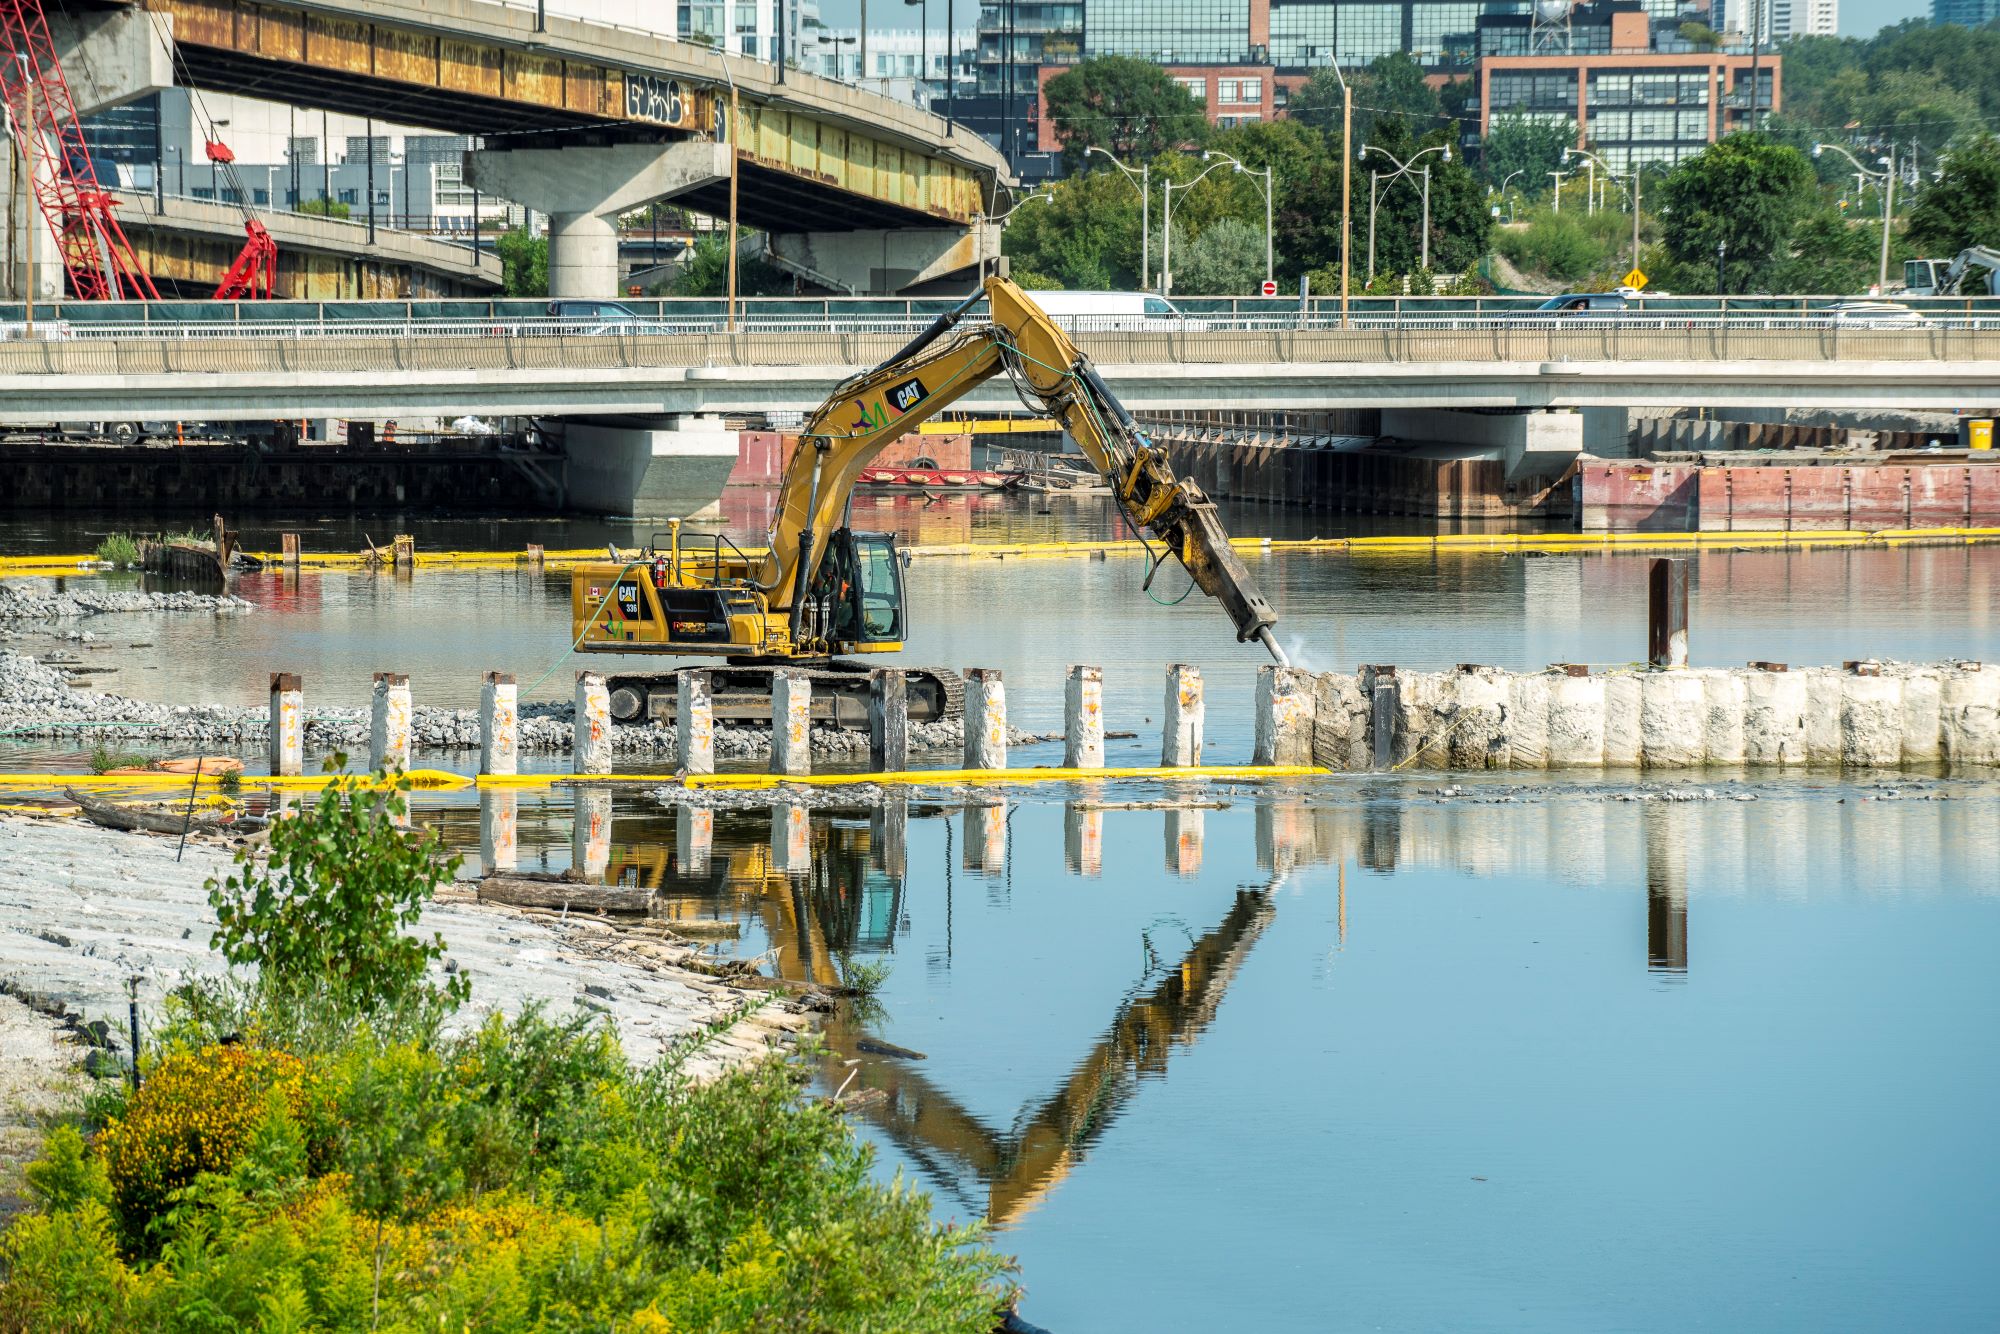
x=942, y=365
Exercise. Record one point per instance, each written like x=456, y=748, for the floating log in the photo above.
x=146, y=819
x=523, y=891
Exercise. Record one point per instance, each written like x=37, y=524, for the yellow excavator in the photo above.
x=822, y=590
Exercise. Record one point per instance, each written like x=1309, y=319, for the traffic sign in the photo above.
x=1268, y=288
x=1636, y=279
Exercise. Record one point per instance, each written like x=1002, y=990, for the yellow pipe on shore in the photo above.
x=1546, y=543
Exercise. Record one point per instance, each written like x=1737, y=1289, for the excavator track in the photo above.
x=741, y=693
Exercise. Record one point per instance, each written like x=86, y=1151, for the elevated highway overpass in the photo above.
x=641, y=412
x=584, y=120
x=218, y=371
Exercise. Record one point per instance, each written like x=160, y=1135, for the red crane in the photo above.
x=257, y=263
x=99, y=260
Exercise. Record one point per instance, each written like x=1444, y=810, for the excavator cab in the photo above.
x=855, y=600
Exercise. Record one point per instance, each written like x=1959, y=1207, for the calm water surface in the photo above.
x=1353, y=1055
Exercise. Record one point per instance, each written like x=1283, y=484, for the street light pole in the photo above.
x=1374, y=178
x=1887, y=176
x=1167, y=227
x=1558, y=176
x=1270, y=274
x=1144, y=185
x=1425, y=263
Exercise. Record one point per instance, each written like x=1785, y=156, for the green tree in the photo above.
x=1700, y=36
x=1534, y=148
x=706, y=273
x=1744, y=193
x=1225, y=260
x=1084, y=236
x=325, y=208
x=1962, y=208
x=1130, y=108
x=1832, y=253
x=524, y=262
x=1394, y=86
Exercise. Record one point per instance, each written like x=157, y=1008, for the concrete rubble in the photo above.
x=25, y=602
x=85, y=909
x=37, y=700
x=1866, y=716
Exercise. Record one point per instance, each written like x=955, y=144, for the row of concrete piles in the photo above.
x=1863, y=715
x=986, y=729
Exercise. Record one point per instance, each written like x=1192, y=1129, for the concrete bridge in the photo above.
x=584, y=121
x=641, y=406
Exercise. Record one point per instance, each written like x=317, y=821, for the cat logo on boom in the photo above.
x=906, y=395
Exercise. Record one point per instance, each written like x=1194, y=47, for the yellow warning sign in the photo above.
x=1636, y=280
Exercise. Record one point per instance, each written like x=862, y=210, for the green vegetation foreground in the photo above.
x=312, y=1150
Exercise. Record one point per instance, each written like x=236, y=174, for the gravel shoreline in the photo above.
x=85, y=909
x=37, y=700
x=30, y=603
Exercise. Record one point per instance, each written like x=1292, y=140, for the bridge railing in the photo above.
x=414, y=349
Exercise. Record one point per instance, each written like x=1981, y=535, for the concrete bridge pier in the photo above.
x=1534, y=444
x=667, y=467
x=583, y=188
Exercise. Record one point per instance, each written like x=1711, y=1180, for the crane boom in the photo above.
x=935, y=370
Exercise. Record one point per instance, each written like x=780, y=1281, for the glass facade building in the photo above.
x=1171, y=32
x=1965, y=13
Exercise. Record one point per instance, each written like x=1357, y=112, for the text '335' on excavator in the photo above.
x=822, y=590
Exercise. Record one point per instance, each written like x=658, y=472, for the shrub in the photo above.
x=321, y=919
x=119, y=549
x=194, y=1114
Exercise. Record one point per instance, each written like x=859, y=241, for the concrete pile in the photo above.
x=26, y=602
x=1865, y=715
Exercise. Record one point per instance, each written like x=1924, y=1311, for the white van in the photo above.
x=1100, y=311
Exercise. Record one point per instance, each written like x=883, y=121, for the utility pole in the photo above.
x=1636, y=174
x=861, y=78
x=1374, y=178
x=326, y=167
x=1557, y=176
x=369, y=123
x=1888, y=215
x=735, y=155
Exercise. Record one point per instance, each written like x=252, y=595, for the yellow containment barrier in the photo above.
x=1470, y=543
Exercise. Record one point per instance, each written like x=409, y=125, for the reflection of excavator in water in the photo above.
x=822, y=589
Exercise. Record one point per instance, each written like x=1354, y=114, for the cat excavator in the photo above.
x=821, y=589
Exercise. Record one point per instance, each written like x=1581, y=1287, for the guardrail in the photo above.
x=848, y=310
x=1088, y=325
x=417, y=351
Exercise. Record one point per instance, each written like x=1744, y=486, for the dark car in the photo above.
x=1588, y=305
x=605, y=317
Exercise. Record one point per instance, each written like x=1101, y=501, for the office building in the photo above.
x=1965, y=13
x=1775, y=20
x=1635, y=90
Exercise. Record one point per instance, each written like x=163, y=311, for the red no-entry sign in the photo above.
x=1267, y=288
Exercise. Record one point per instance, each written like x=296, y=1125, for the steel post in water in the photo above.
x=1667, y=614
x=888, y=721
x=590, y=839
x=694, y=837
x=288, y=725
x=1180, y=732
x=1666, y=888
x=499, y=724
x=791, y=723
x=889, y=835
x=791, y=838
x=985, y=719
x=1284, y=715
x=389, y=722
x=590, y=750
x=1083, y=839
x=499, y=829
x=1185, y=827
x=694, y=720
x=290, y=544
x=1384, y=699
x=1083, y=718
